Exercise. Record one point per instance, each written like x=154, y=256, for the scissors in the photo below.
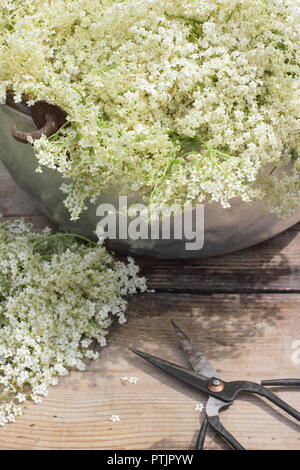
x=221, y=394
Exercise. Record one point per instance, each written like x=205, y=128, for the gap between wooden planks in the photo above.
x=220, y=303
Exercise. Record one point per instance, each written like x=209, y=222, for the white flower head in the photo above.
x=131, y=380
x=199, y=407
x=115, y=418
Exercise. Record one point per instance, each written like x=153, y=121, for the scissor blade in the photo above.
x=186, y=375
x=214, y=405
x=197, y=360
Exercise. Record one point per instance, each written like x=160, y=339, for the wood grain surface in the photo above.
x=241, y=310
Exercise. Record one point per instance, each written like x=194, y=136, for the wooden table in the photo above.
x=243, y=312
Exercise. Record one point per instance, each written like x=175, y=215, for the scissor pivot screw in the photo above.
x=216, y=385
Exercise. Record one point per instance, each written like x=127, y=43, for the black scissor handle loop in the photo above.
x=234, y=388
x=202, y=435
x=264, y=392
x=216, y=424
x=281, y=382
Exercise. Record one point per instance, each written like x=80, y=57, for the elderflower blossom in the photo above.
x=181, y=101
x=199, y=407
x=131, y=380
x=57, y=301
x=115, y=418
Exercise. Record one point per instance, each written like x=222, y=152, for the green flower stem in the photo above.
x=63, y=235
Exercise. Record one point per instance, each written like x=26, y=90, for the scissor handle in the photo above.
x=216, y=424
x=264, y=392
x=202, y=435
x=234, y=388
x=281, y=382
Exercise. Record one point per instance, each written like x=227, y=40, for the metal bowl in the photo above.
x=225, y=230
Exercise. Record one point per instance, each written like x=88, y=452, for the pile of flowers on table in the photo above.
x=58, y=297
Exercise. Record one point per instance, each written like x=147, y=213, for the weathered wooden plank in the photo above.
x=271, y=266
x=159, y=412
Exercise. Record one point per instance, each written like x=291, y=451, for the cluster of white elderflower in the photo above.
x=57, y=300
x=181, y=101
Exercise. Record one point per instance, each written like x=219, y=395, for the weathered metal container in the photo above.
x=225, y=230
